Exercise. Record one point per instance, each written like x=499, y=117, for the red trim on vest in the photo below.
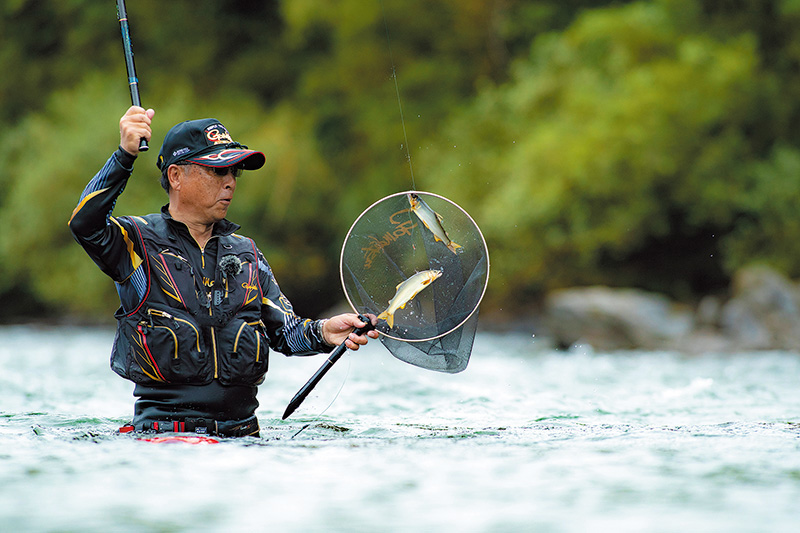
x=258, y=281
x=149, y=355
x=166, y=268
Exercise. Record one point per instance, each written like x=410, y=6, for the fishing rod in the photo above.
x=133, y=81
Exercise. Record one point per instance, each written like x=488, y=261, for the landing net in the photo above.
x=420, y=263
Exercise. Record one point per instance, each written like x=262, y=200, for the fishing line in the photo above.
x=318, y=416
x=437, y=331
x=397, y=92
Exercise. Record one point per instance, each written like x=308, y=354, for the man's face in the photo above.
x=207, y=191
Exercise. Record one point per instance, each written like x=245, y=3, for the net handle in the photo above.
x=319, y=374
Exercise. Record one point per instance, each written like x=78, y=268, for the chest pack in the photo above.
x=187, y=329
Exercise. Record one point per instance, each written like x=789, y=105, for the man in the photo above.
x=199, y=304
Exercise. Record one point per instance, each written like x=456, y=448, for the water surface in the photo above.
x=526, y=439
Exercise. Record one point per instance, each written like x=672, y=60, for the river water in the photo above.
x=525, y=439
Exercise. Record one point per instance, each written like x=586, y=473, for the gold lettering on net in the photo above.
x=402, y=228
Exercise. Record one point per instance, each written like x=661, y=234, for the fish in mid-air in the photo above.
x=431, y=220
x=406, y=292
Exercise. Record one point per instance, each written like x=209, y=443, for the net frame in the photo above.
x=476, y=236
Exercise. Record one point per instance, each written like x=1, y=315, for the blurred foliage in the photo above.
x=644, y=144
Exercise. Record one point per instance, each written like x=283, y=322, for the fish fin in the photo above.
x=454, y=247
x=388, y=317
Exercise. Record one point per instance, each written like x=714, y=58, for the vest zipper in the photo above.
x=258, y=339
x=238, y=335
x=214, y=351
x=258, y=347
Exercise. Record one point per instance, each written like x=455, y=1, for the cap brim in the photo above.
x=227, y=157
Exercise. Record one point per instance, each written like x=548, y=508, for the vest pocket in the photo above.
x=165, y=347
x=243, y=353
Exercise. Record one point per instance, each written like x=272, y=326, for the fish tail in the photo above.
x=454, y=247
x=388, y=317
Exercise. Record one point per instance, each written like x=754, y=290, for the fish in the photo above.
x=406, y=292
x=432, y=220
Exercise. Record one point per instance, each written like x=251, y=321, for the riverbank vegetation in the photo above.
x=643, y=144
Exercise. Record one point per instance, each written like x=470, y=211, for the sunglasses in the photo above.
x=235, y=170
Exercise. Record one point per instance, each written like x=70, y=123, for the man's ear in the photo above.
x=175, y=175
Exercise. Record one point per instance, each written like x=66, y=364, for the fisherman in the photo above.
x=199, y=303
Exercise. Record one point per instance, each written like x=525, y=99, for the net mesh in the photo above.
x=428, y=323
x=449, y=353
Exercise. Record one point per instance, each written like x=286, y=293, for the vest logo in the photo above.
x=249, y=287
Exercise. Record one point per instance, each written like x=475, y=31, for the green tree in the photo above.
x=620, y=153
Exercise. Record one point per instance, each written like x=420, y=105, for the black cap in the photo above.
x=206, y=142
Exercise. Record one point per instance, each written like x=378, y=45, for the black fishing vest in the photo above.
x=178, y=334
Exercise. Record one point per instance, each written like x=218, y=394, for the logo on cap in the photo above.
x=217, y=134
